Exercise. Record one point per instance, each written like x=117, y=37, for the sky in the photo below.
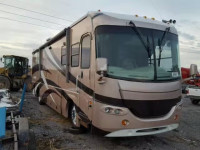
x=19, y=38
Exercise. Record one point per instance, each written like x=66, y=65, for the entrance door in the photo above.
x=85, y=92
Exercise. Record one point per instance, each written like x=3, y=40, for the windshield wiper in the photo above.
x=147, y=46
x=160, y=43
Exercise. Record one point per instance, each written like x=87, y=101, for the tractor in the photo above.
x=14, y=73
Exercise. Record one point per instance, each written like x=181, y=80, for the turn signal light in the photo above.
x=125, y=122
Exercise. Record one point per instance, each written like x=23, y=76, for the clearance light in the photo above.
x=125, y=122
x=136, y=15
x=175, y=117
x=153, y=18
x=145, y=17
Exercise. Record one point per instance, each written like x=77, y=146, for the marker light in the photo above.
x=136, y=15
x=145, y=17
x=153, y=18
x=125, y=122
x=175, y=117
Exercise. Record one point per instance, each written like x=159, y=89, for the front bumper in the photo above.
x=142, y=131
x=137, y=126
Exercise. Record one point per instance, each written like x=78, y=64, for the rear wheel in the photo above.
x=76, y=127
x=4, y=83
x=195, y=101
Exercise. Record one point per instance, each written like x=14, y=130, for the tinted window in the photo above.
x=85, y=55
x=128, y=58
x=75, y=55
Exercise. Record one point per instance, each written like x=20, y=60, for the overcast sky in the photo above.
x=19, y=38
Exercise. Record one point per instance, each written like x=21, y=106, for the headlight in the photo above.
x=108, y=109
x=114, y=111
x=117, y=111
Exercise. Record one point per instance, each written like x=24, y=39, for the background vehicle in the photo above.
x=192, y=84
x=116, y=73
x=14, y=73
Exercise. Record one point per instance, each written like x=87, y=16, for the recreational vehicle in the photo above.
x=119, y=74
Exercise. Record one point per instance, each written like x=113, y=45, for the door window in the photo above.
x=85, y=52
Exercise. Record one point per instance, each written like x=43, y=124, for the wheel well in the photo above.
x=69, y=106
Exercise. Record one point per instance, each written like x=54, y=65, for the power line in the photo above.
x=27, y=23
x=31, y=17
x=36, y=12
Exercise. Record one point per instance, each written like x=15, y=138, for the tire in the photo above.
x=73, y=116
x=76, y=127
x=41, y=102
x=195, y=102
x=4, y=82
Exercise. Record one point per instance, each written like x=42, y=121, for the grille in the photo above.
x=150, y=108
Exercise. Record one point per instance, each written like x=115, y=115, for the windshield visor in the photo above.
x=133, y=59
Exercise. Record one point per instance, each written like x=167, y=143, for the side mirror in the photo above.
x=101, y=66
x=193, y=69
x=1, y=59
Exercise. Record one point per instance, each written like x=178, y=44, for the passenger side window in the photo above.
x=63, y=55
x=75, y=55
x=85, y=52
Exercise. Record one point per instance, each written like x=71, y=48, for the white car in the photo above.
x=193, y=92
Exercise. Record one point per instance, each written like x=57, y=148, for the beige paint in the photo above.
x=130, y=90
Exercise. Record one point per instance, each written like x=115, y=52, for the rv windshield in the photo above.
x=128, y=58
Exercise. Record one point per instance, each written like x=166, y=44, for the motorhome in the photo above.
x=119, y=74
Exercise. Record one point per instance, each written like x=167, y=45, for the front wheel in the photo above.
x=76, y=127
x=74, y=116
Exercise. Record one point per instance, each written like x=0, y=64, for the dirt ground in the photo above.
x=52, y=132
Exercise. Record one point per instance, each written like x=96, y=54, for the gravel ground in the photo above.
x=52, y=131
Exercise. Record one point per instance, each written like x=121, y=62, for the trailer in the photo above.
x=14, y=129
x=113, y=73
